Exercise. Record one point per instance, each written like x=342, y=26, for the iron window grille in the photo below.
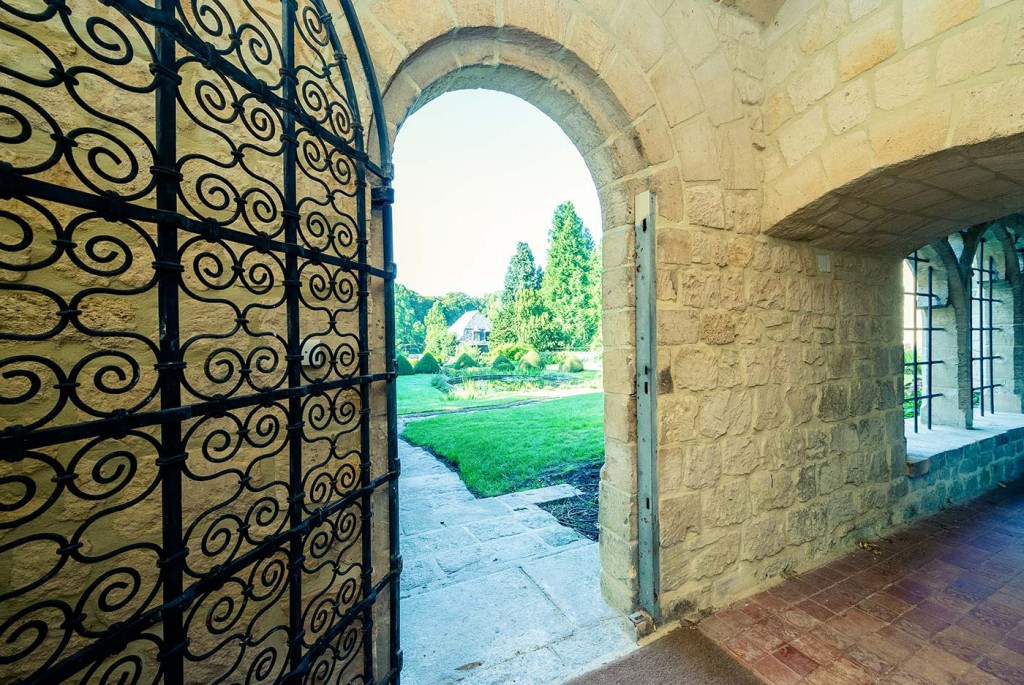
x=918, y=362
x=983, y=356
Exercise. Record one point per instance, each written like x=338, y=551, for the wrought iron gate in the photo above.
x=194, y=335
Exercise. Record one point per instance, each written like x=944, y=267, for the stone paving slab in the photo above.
x=478, y=623
x=580, y=600
x=551, y=493
x=496, y=590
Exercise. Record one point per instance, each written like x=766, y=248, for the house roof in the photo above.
x=470, y=321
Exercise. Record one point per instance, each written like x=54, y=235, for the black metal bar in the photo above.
x=982, y=298
x=930, y=328
x=991, y=338
x=922, y=361
x=296, y=495
x=172, y=450
x=364, y=434
x=384, y=200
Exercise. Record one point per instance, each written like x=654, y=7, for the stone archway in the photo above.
x=547, y=76
x=662, y=97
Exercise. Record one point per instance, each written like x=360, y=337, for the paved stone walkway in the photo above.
x=938, y=603
x=496, y=590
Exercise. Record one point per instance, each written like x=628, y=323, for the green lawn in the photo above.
x=517, y=448
x=416, y=395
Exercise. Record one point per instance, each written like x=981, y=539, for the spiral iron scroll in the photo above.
x=186, y=264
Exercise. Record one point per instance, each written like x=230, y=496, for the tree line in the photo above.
x=556, y=308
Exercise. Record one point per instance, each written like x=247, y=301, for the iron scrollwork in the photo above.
x=187, y=469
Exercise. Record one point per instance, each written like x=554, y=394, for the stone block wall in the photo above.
x=781, y=417
x=959, y=474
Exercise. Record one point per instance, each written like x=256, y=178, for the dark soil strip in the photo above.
x=580, y=512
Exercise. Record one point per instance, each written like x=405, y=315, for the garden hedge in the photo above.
x=464, y=361
x=404, y=366
x=570, y=364
x=531, y=362
x=427, y=364
x=503, y=364
x=513, y=351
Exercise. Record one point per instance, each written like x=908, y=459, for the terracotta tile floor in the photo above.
x=939, y=603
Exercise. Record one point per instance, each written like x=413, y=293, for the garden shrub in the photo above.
x=404, y=366
x=552, y=357
x=531, y=362
x=464, y=361
x=427, y=364
x=440, y=382
x=513, y=351
x=570, y=364
x=503, y=364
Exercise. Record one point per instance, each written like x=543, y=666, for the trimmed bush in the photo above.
x=570, y=364
x=503, y=364
x=427, y=364
x=464, y=361
x=513, y=351
x=404, y=366
x=531, y=362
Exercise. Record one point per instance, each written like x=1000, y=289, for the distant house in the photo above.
x=472, y=328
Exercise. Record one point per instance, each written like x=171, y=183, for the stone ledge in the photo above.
x=944, y=444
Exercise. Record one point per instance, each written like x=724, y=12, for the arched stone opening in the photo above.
x=553, y=79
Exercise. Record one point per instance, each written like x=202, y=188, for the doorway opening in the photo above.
x=498, y=314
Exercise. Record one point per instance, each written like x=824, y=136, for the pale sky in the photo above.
x=477, y=171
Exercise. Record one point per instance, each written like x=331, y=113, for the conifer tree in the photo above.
x=567, y=288
x=522, y=273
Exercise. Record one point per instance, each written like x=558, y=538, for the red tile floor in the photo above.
x=939, y=603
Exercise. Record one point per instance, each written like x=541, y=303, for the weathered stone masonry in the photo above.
x=781, y=431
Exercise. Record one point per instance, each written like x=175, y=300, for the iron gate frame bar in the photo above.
x=648, y=535
x=169, y=33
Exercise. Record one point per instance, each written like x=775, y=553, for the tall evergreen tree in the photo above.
x=532, y=321
x=439, y=341
x=596, y=294
x=567, y=287
x=522, y=273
